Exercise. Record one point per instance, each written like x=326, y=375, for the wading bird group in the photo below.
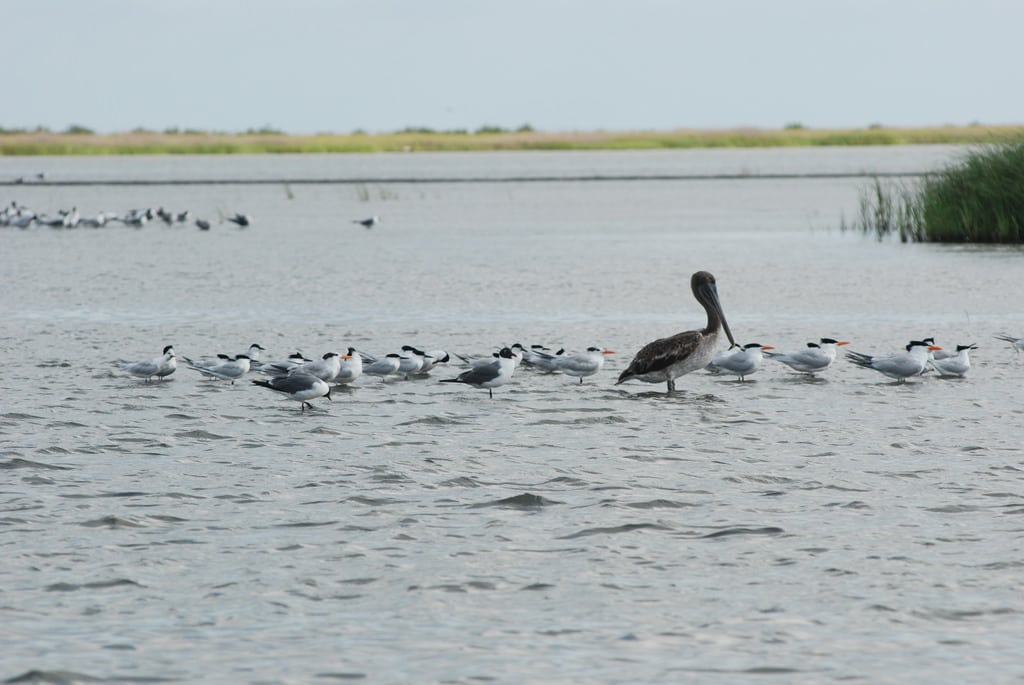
x=19, y=216
x=660, y=361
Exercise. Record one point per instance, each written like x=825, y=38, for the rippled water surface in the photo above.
x=781, y=529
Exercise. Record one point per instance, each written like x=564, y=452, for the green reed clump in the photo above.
x=979, y=199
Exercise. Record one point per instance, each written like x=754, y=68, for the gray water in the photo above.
x=777, y=530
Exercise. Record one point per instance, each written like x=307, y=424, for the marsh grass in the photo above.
x=269, y=141
x=978, y=199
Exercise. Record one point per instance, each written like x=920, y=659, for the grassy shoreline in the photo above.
x=50, y=143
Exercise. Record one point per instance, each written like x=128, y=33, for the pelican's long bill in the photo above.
x=710, y=293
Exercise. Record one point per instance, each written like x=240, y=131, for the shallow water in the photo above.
x=845, y=528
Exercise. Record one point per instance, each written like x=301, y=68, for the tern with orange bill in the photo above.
x=815, y=358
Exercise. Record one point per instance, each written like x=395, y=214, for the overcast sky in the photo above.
x=307, y=66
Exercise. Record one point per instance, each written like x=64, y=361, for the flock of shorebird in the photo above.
x=20, y=216
x=661, y=361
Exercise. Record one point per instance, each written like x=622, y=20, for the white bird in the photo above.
x=1016, y=343
x=542, y=359
x=429, y=359
x=227, y=370
x=530, y=354
x=582, y=364
x=957, y=365
x=300, y=387
x=326, y=368
x=665, y=359
x=816, y=357
x=382, y=366
x=489, y=376
x=409, y=363
x=254, y=351
x=368, y=223
x=160, y=367
x=279, y=368
x=741, y=362
x=351, y=367
x=899, y=365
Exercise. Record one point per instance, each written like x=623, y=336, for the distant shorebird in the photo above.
x=242, y=220
x=666, y=359
x=368, y=223
x=203, y=224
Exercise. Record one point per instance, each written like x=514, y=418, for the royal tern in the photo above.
x=1016, y=343
x=937, y=354
x=227, y=370
x=816, y=357
x=351, y=367
x=326, y=368
x=542, y=359
x=279, y=368
x=382, y=366
x=741, y=362
x=531, y=355
x=300, y=387
x=409, y=363
x=899, y=365
x=429, y=359
x=956, y=365
x=582, y=364
x=160, y=367
x=368, y=223
x=489, y=376
x=666, y=359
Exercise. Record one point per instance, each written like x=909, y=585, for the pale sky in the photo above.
x=307, y=66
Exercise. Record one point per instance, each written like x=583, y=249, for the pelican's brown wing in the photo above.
x=661, y=354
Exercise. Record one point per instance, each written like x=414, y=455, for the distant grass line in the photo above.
x=34, y=143
x=978, y=199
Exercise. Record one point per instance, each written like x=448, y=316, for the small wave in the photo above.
x=613, y=530
x=432, y=421
x=767, y=530
x=17, y=463
x=660, y=504
x=97, y=585
x=524, y=501
x=202, y=435
x=113, y=522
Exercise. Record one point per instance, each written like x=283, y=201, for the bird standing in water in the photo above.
x=666, y=359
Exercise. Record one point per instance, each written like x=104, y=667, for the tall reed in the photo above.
x=978, y=199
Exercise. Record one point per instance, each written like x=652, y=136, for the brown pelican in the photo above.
x=668, y=358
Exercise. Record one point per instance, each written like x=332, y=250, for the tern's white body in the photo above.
x=226, y=370
x=326, y=368
x=158, y=367
x=582, y=364
x=741, y=362
x=957, y=365
x=351, y=367
x=816, y=357
x=382, y=366
x=900, y=365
